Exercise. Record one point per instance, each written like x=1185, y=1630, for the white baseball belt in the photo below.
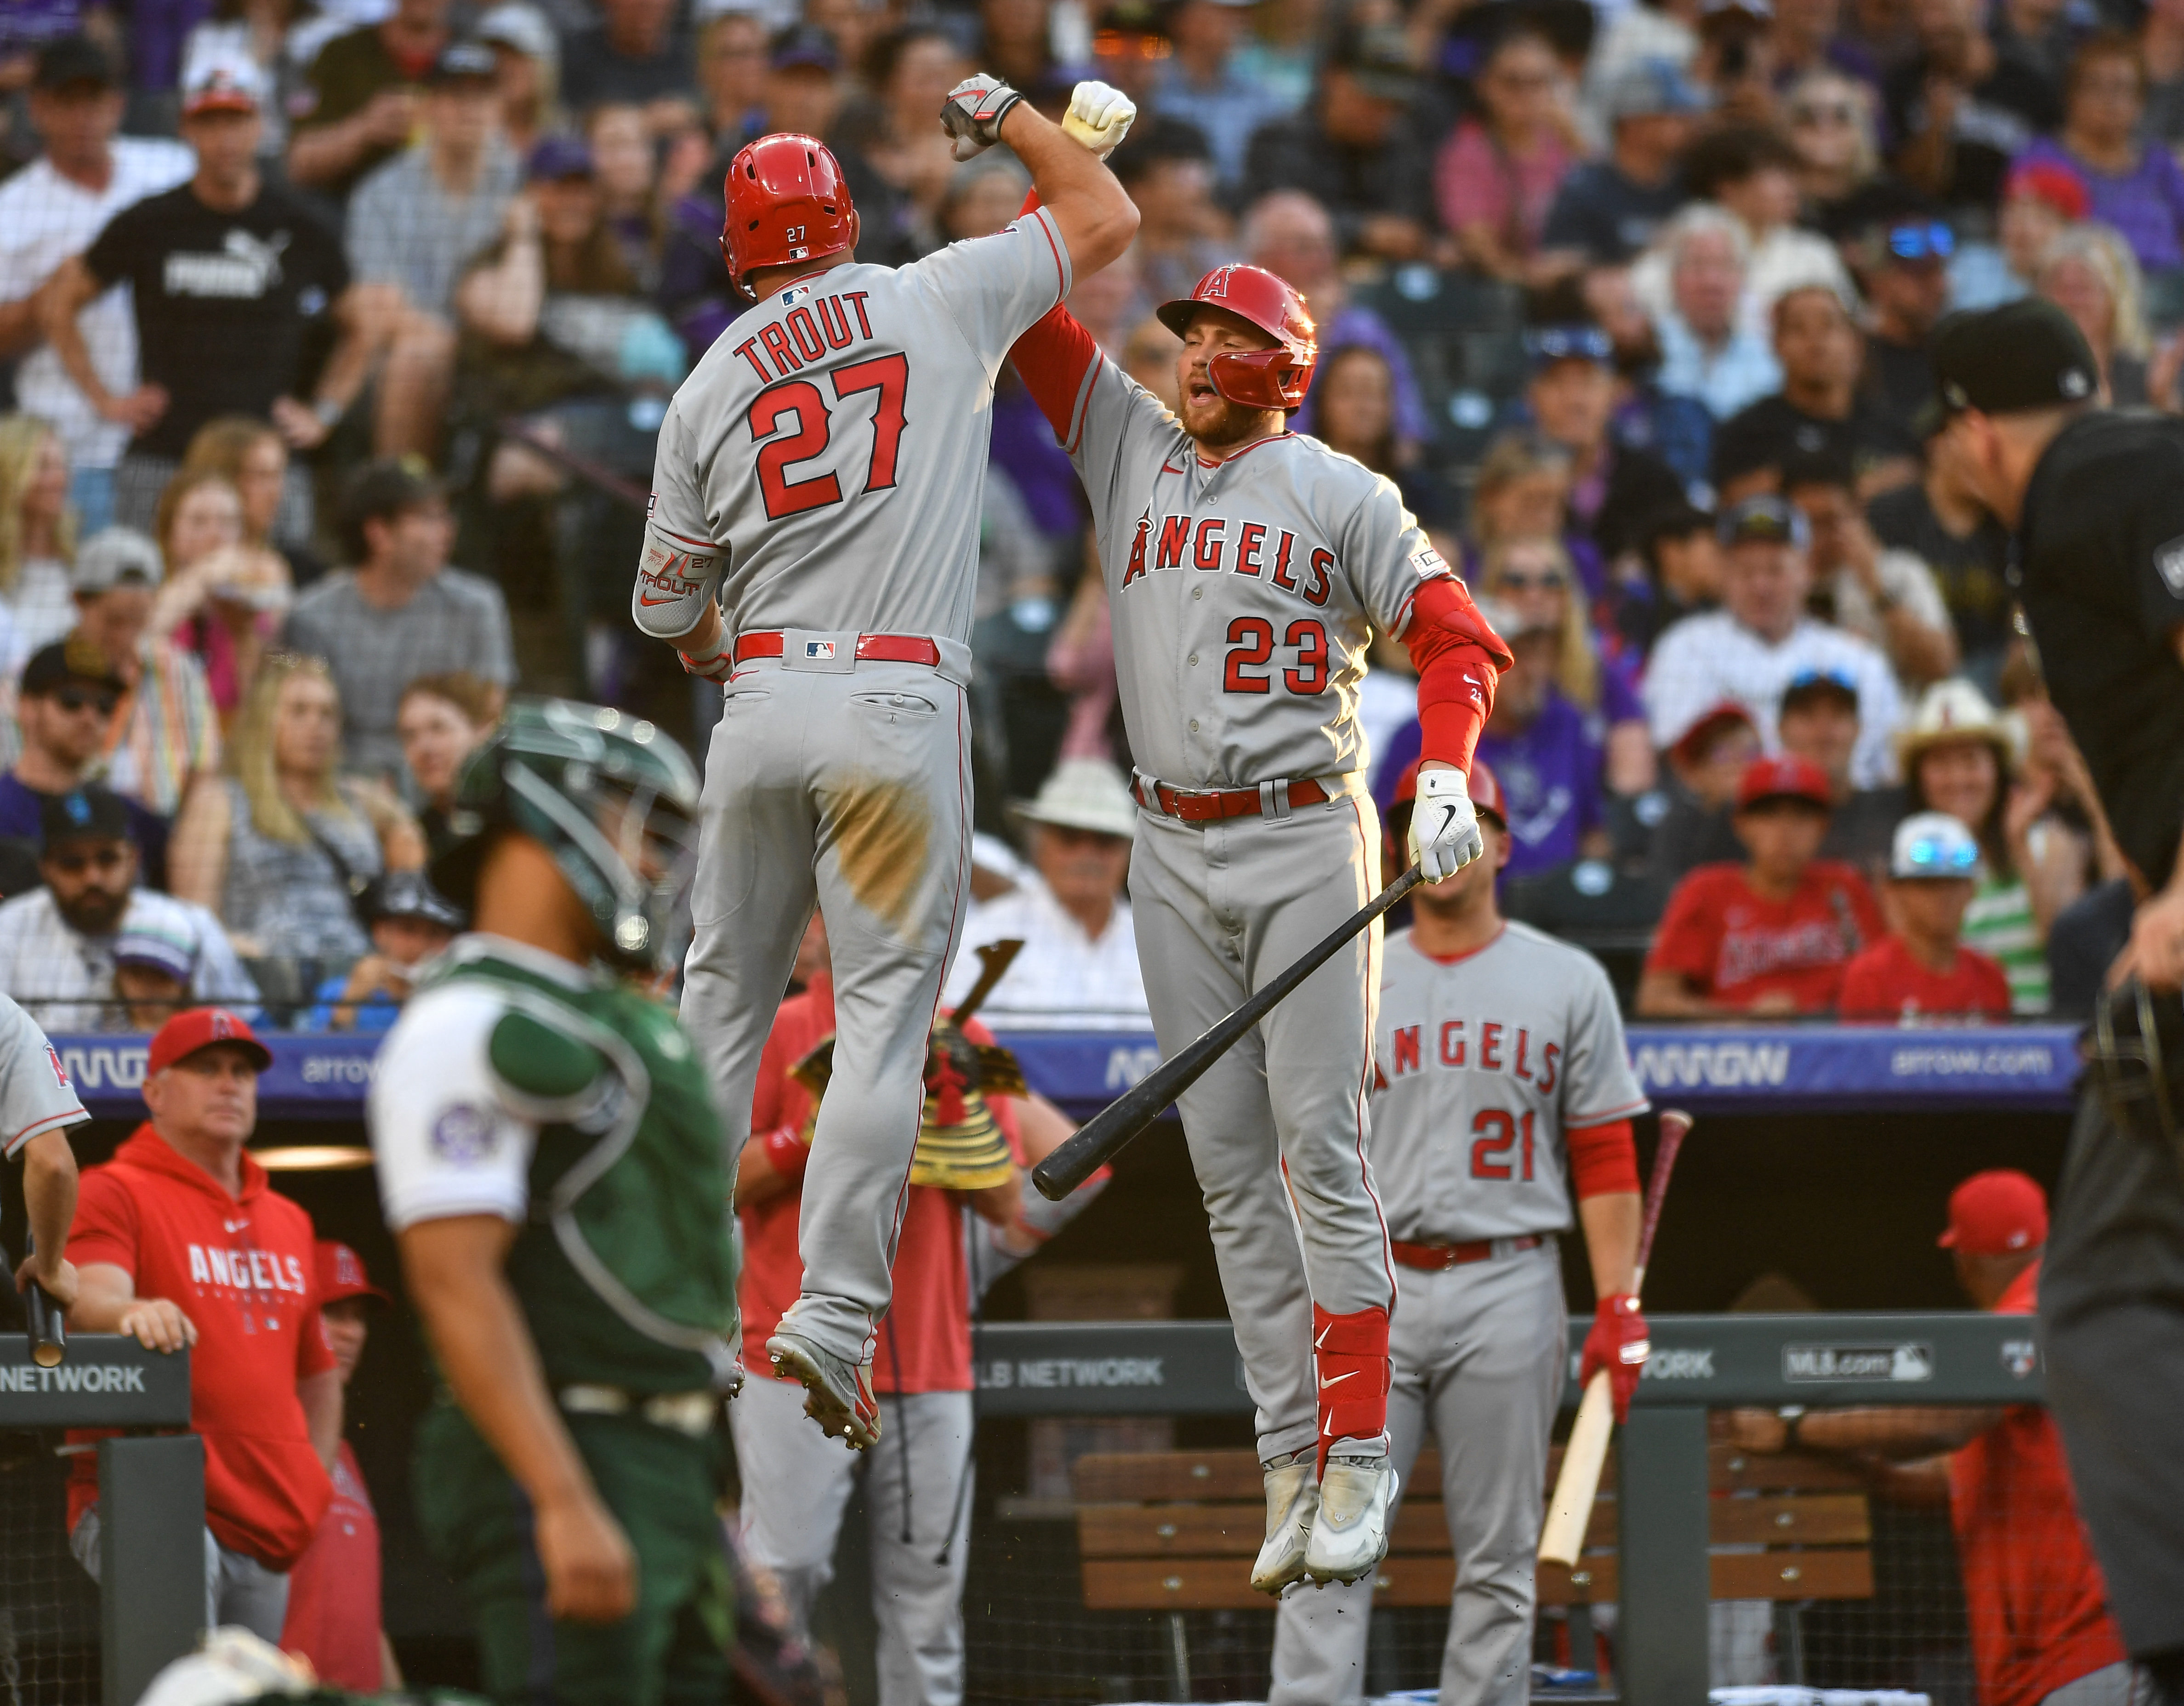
x=693, y=1413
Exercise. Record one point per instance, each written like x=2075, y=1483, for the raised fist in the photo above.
x=973, y=111
x=1099, y=116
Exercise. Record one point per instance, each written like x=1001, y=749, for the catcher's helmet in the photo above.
x=1275, y=378
x=786, y=202
x=608, y=794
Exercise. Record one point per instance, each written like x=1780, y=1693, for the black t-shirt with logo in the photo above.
x=1973, y=571
x=1763, y=434
x=2101, y=549
x=226, y=302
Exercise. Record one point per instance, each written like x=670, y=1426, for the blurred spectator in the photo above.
x=1921, y=970
x=37, y=535
x=280, y=37
x=333, y=1616
x=1808, y=37
x=1828, y=121
x=2134, y=188
x=282, y=845
x=182, y=1213
x=2161, y=51
x=1961, y=110
x=1354, y=150
x=221, y=598
x=1130, y=39
x=64, y=707
x=1080, y=661
x=251, y=456
x=2040, y=200
x=232, y=277
x=1014, y=42
x=1521, y=491
x=623, y=161
x=2082, y=946
x=1957, y=756
x=1708, y=350
x=1168, y=171
x=529, y=55
x=360, y=108
x=1078, y=969
x=2043, y=34
x=1608, y=210
x=732, y=78
x=1293, y=237
x=1682, y=561
x=49, y=212
x=2034, y=1599
x=1735, y=61
x=2088, y=273
x=414, y=222
x=1198, y=82
x=1495, y=176
x=1748, y=652
x=1887, y=599
x=1940, y=521
x=165, y=732
x=441, y=719
x=152, y=973
x=635, y=54
x=1614, y=487
x=1355, y=391
x=1772, y=935
x=909, y=72
x=1902, y=262
x=57, y=942
x=1704, y=769
x=1820, y=407
x=399, y=613
x=1282, y=53
x=410, y=922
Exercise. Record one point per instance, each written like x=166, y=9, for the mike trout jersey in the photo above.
x=824, y=465
x=1481, y=1064
x=1243, y=593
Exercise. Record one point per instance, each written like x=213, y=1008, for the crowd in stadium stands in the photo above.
x=337, y=333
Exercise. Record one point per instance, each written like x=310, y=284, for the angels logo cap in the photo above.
x=2024, y=355
x=200, y=1028
x=343, y=1274
x=1996, y=1213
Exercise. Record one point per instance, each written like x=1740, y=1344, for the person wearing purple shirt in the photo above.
x=2136, y=188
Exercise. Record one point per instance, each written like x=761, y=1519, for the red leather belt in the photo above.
x=1433, y=1257
x=1205, y=808
x=877, y=648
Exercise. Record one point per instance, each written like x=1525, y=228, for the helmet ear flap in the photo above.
x=1260, y=378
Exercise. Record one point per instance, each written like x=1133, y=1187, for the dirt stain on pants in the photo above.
x=883, y=836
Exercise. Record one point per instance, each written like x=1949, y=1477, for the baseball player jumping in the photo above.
x=814, y=544
x=1498, y=1057
x=1246, y=567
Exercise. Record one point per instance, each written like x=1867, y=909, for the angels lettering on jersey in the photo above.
x=250, y=1278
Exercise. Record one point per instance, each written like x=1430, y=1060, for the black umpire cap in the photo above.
x=2024, y=355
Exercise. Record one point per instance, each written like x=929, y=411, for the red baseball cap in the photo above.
x=200, y=1028
x=2053, y=183
x=1996, y=1213
x=1784, y=776
x=1691, y=746
x=341, y=1275
x=1485, y=790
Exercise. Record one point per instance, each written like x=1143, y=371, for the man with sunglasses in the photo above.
x=64, y=707
x=1901, y=263
x=1921, y=970
x=2097, y=500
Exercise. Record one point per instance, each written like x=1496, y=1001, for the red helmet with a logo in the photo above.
x=786, y=202
x=1274, y=378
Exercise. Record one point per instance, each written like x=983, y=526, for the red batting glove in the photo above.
x=1617, y=1343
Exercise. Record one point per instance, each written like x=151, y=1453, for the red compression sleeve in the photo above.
x=1603, y=1159
x=787, y=1153
x=1458, y=659
x=1052, y=360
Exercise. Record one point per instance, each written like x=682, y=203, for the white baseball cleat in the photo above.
x=1350, y=1533
x=837, y=1394
x=1292, y=1500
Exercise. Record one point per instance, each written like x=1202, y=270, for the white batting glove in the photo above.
x=1099, y=116
x=972, y=114
x=716, y=665
x=1445, y=834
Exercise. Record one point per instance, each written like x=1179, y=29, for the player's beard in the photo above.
x=1224, y=424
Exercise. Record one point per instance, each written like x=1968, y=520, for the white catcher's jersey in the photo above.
x=1243, y=594
x=35, y=1096
x=824, y=465
x=1481, y=1066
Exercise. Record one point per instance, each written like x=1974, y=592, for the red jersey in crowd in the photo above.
x=1886, y=982
x=333, y=1590
x=244, y=1270
x=2033, y=1594
x=924, y=1343
x=1735, y=946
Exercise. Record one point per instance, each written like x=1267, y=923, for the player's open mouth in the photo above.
x=1202, y=391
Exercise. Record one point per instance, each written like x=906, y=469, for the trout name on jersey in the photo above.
x=806, y=333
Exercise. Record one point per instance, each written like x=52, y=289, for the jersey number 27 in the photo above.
x=799, y=400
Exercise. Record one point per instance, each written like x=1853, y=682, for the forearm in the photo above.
x=1920, y=651
x=1610, y=1221
x=320, y=1395
x=19, y=329
x=1893, y=1433
x=104, y=1294
x=1664, y=995
x=49, y=1186
x=343, y=375
x=58, y=303
x=324, y=152
x=1000, y=1204
x=1096, y=218
x=502, y=302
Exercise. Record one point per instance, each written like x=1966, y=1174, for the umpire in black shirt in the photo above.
x=2097, y=500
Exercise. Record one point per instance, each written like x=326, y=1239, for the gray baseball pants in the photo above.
x=1221, y=908
x=847, y=785
x=239, y=1590
x=796, y=1484
x=1479, y=1354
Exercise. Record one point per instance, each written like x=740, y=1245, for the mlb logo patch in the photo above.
x=821, y=651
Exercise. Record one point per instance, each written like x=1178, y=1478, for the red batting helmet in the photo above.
x=1274, y=378
x=786, y=202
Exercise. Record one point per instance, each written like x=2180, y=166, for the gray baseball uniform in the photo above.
x=35, y=1096
x=819, y=473
x=1482, y=1064
x=1244, y=594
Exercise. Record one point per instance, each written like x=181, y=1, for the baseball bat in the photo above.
x=1101, y=1138
x=48, y=1327
x=1570, y=1510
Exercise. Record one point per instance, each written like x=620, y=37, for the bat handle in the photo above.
x=48, y=1325
x=1570, y=1511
